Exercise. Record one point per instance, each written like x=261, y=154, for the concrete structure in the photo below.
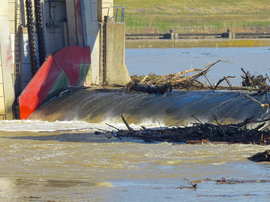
x=193, y=43
x=66, y=23
x=7, y=94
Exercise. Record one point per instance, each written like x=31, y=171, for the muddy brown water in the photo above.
x=63, y=160
x=85, y=167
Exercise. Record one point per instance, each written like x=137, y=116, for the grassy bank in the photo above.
x=220, y=14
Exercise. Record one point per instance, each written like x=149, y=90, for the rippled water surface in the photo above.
x=72, y=166
x=65, y=161
x=173, y=60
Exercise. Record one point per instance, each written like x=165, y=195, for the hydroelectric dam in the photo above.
x=50, y=48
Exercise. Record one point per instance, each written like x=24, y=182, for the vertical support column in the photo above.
x=83, y=22
x=115, y=68
x=40, y=32
x=101, y=53
x=79, y=28
x=7, y=96
x=31, y=36
x=71, y=19
x=2, y=98
x=92, y=29
x=17, y=50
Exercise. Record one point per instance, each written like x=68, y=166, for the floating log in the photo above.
x=261, y=156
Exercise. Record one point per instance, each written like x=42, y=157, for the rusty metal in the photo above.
x=31, y=36
x=40, y=32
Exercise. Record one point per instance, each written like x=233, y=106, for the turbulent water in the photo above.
x=55, y=156
x=176, y=108
x=38, y=164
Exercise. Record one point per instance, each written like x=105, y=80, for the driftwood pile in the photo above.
x=163, y=84
x=256, y=82
x=203, y=132
x=200, y=133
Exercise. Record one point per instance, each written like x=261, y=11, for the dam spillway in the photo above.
x=171, y=109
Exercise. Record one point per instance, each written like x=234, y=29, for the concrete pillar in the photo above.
x=92, y=29
x=116, y=70
x=2, y=97
x=7, y=95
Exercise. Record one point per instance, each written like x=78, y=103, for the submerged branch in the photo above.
x=262, y=105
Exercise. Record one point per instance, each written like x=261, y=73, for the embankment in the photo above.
x=193, y=43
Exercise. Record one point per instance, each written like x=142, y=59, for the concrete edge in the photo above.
x=194, y=43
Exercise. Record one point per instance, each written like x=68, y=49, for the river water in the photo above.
x=173, y=60
x=50, y=160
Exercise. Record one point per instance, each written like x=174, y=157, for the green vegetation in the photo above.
x=219, y=13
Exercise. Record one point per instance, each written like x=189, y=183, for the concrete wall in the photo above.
x=25, y=64
x=104, y=9
x=55, y=30
x=116, y=70
x=2, y=101
x=7, y=95
x=92, y=29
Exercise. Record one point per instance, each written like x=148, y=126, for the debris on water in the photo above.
x=226, y=195
x=221, y=181
x=162, y=84
x=33, y=197
x=181, y=81
x=201, y=133
x=236, y=181
x=232, y=181
x=197, y=181
x=261, y=156
x=193, y=185
x=67, y=130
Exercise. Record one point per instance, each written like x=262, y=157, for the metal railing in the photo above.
x=118, y=14
x=198, y=29
x=215, y=29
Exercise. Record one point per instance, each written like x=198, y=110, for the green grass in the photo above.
x=219, y=13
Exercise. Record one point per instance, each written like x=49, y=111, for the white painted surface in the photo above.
x=6, y=60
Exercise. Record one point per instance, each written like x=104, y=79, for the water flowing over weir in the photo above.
x=174, y=108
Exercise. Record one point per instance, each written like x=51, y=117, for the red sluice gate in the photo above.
x=67, y=67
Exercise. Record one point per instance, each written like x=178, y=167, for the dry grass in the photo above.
x=195, y=12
